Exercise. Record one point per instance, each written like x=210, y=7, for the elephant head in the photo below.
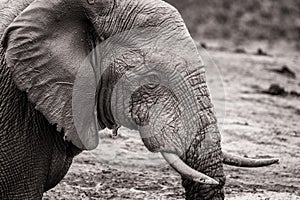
x=87, y=64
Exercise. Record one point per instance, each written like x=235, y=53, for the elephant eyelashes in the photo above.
x=91, y=2
x=151, y=86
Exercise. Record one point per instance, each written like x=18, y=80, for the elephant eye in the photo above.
x=152, y=79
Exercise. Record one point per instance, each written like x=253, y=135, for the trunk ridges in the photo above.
x=208, y=162
x=199, y=191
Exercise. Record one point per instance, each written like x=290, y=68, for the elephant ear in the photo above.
x=45, y=52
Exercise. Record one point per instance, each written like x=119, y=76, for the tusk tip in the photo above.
x=270, y=161
x=274, y=161
x=209, y=181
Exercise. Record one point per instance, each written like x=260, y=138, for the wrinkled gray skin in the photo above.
x=34, y=156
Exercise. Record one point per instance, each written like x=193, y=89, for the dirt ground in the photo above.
x=257, y=124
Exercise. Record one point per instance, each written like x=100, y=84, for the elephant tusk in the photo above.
x=187, y=171
x=238, y=161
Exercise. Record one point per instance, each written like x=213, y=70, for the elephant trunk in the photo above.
x=207, y=158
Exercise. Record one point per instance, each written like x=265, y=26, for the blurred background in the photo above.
x=243, y=20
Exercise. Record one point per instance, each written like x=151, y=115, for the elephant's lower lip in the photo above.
x=187, y=171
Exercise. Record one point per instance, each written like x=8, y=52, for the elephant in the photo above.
x=55, y=95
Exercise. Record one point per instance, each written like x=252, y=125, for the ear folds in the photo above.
x=46, y=46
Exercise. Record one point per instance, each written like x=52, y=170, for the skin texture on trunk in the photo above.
x=205, y=153
x=209, y=162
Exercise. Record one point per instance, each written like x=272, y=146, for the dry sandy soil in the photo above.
x=256, y=125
